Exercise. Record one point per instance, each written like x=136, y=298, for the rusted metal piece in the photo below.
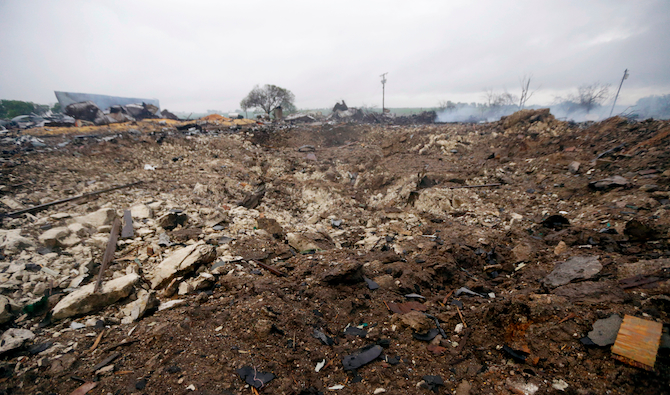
x=475, y=186
x=41, y=207
x=109, y=252
x=637, y=281
x=270, y=269
x=127, y=230
x=637, y=341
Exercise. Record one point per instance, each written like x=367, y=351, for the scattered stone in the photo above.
x=432, y=383
x=608, y=183
x=184, y=288
x=417, y=321
x=98, y=218
x=182, y=262
x=561, y=248
x=559, y=385
x=145, y=302
x=12, y=242
x=171, y=304
x=54, y=236
x=579, y=267
x=109, y=369
x=605, y=331
x=638, y=231
x=141, y=211
x=14, y=338
x=344, y=273
x=371, y=284
x=85, y=300
x=271, y=226
x=464, y=388
x=171, y=220
x=522, y=252
x=591, y=292
x=8, y=309
x=301, y=243
x=573, y=167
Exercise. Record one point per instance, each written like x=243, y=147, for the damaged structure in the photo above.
x=523, y=256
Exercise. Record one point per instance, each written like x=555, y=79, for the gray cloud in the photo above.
x=203, y=55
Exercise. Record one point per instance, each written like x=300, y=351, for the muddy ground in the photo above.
x=425, y=209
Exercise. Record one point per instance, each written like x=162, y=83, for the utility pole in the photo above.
x=625, y=76
x=383, y=91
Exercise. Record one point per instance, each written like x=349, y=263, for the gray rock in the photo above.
x=573, y=167
x=592, y=292
x=54, y=236
x=184, y=261
x=344, y=273
x=14, y=338
x=84, y=300
x=579, y=267
x=608, y=183
x=605, y=331
x=79, y=230
x=7, y=309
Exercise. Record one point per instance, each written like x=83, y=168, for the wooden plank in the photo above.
x=109, y=252
x=127, y=231
x=638, y=340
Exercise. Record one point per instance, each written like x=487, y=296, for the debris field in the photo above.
x=524, y=256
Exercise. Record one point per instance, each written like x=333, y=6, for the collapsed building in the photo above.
x=523, y=256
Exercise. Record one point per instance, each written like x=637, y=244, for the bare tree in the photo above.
x=497, y=100
x=443, y=105
x=525, y=90
x=268, y=98
x=590, y=96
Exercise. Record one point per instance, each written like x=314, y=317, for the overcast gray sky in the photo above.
x=199, y=55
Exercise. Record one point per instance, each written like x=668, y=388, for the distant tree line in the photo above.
x=13, y=108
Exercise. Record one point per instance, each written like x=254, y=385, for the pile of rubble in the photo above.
x=523, y=256
x=89, y=112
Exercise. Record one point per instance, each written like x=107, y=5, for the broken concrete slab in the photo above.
x=97, y=219
x=182, y=262
x=579, y=267
x=141, y=211
x=14, y=338
x=605, y=331
x=54, y=236
x=137, y=309
x=12, y=242
x=85, y=300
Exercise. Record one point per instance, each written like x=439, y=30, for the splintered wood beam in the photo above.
x=109, y=252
